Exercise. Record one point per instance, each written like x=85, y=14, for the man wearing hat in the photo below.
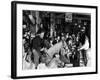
x=37, y=46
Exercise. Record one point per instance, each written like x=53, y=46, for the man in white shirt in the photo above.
x=84, y=48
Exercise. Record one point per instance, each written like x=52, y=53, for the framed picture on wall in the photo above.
x=50, y=39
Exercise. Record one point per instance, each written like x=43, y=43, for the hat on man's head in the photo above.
x=40, y=31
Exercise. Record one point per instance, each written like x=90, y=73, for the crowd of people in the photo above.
x=67, y=47
x=41, y=50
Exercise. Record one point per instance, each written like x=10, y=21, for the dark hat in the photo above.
x=40, y=31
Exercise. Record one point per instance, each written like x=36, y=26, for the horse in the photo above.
x=57, y=49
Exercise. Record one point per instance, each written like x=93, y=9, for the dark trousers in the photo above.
x=76, y=59
x=84, y=57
